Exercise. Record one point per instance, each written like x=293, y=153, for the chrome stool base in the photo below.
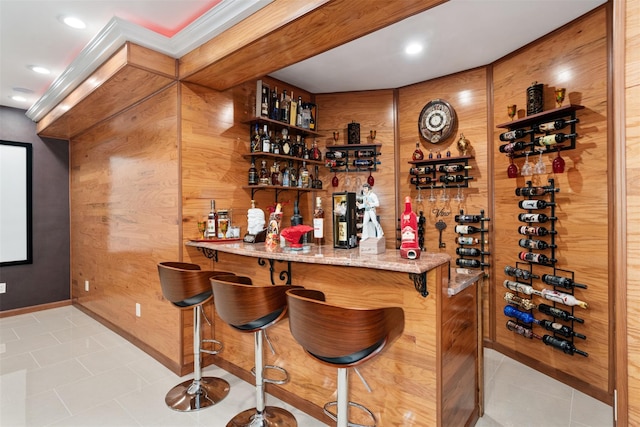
x=363, y=408
x=190, y=396
x=271, y=417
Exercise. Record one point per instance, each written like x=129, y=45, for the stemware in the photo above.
x=526, y=168
x=335, y=181
x=444, y=196
x=540, y=168
x=372, y=134
x=459, y=197
x=558, y=164
x=419, y=196
x=512, y=110
x=512, y=169
x=432, y=196
x=336, y=136
x=202, y=228
x=560, y=93
x=370, y=179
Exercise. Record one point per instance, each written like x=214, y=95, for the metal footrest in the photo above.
x=217, y=346
x=273, y=380
x=363, y=408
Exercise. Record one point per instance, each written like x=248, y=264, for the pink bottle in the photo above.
x=409, y=247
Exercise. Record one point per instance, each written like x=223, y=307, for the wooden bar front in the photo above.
x=429, y=376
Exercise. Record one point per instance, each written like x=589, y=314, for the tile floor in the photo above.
x=59, y=367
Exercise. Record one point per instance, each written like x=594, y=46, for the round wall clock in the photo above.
x=437, y=120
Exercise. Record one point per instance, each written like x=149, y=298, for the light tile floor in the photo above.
x=60, y=367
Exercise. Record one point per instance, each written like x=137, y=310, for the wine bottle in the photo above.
x=364, y=163
x=560, y=329
x=534, y=204
x=554, y=125
x=564, y=345
x=473, y=263
x=468, y=229
x=534, y=231
x=421, y=180
x=335, y=163
x=364, y=153
x=514, y=134
x=556, y=138
x=296, y=218
x=539, y=218
x=514, y=146
x=299, y=112
x=520, y=273
x=467, y=241
x=468, y=218
x=452, y=168
x=266, y=142
x=535, y=191
x=335, y=155
x=421, y=170
x=562, y=298
x=527, y=304
x=312, y=120
x=264, y=102
x=558, y=313
x=537, y=258
x=560, y=281
x=275, y=105
x=417, y=153
x=469, y=252
x=454, y=178
x=522, y=316
x=318, y=222
x=253, y=173
x=521, y=330
x=521, y=287
x=212, y=222
x=285, y=103
x=534, y=244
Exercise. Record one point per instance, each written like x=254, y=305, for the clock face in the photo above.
x=437, y=120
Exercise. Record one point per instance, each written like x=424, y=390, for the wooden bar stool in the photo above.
x=253, y=309
x=341, y=338
x=188, y=287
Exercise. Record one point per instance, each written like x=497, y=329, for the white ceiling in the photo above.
x=458, y=35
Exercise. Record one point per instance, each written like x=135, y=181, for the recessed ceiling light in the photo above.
x=18, y=98
x=73, y=22
x=413, y=49
x=39, y=70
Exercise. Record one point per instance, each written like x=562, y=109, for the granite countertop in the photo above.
x=461, y=278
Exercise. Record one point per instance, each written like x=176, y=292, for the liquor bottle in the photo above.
x=421, y=180
x=527, y=304
x=276, y=143
x=560, y=329
x=286, y=145
x=563, y=298
x=522, y=316
x=468, y=218
x=315, y=153
x=299, y=112
x=275, y=174
x=304, y=176
x=296, y=218
x=312, y=120
x=514, y=146
x=286, y=177
x=452, y=168
x=212, y=222
x=514, y=134
x=253, y=173
x=534, y=231
x=264, y=178
x=537, y=258
x=469, y=252
x=467, y=240
x=335, y=163
x=534, y=204
x=318, y=222
x=564, y=345
x=295, y=148
x=421, y=170
x=454, y=178
x=520, y=273
x=364, y=153
x=535, y=191
x=531, y=217
x=468, y=229
x=558, y=313
x=521, y=330
x=364, y=163
x=264, y=103
x=554, y=125
x=275, y=105
x=285, y=103
x=266, y=142
x=521, y=287
x=417, y=153
x=293, y=175
x=473, y=263
x=563, y=282
x=256, y=142
x=544, y=141
x=335, y=155
x=534, y=244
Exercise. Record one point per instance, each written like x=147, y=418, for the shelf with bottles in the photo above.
x=472, y=251
x=439, y=172
x=538, y=133
x=259, y=154
x=279, y=125
x=353, y=157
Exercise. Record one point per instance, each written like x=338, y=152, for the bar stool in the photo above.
x=249, y=308
x=341, y=337
x=187, y=287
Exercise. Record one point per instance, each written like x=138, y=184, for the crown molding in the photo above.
x=118, y=31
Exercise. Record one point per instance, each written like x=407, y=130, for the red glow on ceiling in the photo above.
x=179, y=26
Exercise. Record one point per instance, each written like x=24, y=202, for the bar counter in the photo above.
x=430, y=376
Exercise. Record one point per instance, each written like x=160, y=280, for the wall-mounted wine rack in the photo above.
x=472, y=253
x=352, y=154
x=423, y=173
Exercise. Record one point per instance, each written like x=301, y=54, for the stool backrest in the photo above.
x=239, y=303
x=180, y=280
x=331, y=331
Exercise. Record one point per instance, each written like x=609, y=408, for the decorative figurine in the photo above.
x=463, y=144
x=371, y=241
x=409, y=246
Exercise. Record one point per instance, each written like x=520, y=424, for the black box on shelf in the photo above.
x=344, y=220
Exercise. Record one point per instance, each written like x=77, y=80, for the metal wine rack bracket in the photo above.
x=431, y=176
x=484, y=254
x=350, y=152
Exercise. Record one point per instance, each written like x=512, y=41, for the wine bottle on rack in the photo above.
x=560, y=281
x=454, y=178
x=560, y=329
x=522, y=316
x=535, y=191
x=536, y=258
x=564, y=345
x=558, y=313
x=335, y=163
x=468, y=229
x=562, y=298
x=335, y=155
x=364, y=163
x=520, y=273
x=535, y=231
x=521, y=287
x=539, y=218
x=470, y=252
x=556, y=138
x=521, y=330
x=534, y=244
x=452, y=168
x=527, y=304
x=421, y=180
x=534, y=204
x=468, y=218
x=473, y=263
x=514, y=146
x=554, y=125
x=467, y=241
x=365, y=153
x=421, y=170
x=515, y=134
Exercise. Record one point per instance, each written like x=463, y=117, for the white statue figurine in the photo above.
x=369, y=203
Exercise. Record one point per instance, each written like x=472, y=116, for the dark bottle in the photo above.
x=558, y=313
x=364, y=163
x=296, y=147
x=285, y=102
x=534, y=244
x=473, y=263
x=537, y=258
x=468, y=229
x=515, y=134
x=554, y=125
x=264, y=178
x=514, y=146
x=253, y=173
x=421, y=170
x=531, y=217
x=364, y=153
x=560, y=329
x=563, y=282
x=556, y=138
x=468, y=251
x=296, y=218
x=527, y=304
x=335, y=163
x=293, y=175
x=564, y=345
x=452, y=168
x=535, y=191
x=454, y=178
x=276, y=144
x=522, y=316
x=312, y=120
x=315, y=153
x=299, y=112
x=275, y=105
x=467, y=240
x=519, y=273
x=521, y=287
x=521, y=330
x=468, y=218
x=534, y=231
x=335, y=155
x=256, y=143
x=534, y=204
x=421, y=180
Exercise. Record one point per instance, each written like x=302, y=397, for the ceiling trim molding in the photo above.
x=119, y=31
